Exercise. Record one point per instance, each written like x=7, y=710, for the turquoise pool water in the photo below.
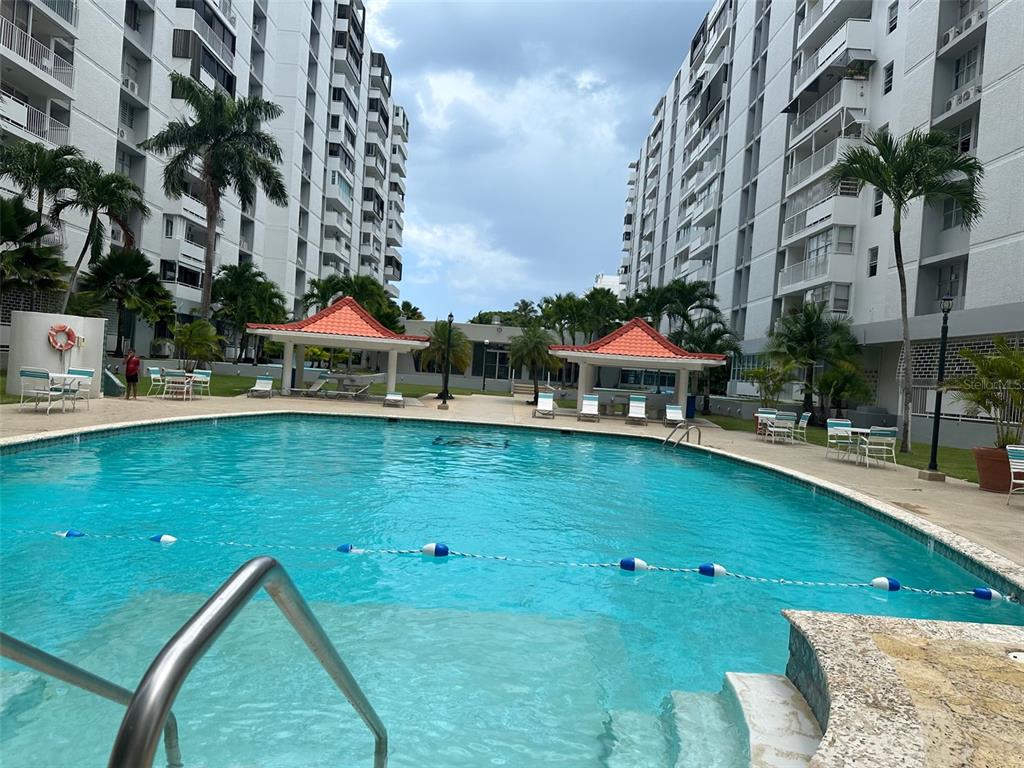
x=469, y=662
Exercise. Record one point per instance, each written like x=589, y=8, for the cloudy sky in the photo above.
x=524, y=116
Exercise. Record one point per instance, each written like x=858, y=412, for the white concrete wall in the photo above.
x=30, y=347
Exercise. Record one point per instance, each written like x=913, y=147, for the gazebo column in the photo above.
x=585, y=384
x=682, y=385
x=300, y=366
x=392, y=369
x=286, y=367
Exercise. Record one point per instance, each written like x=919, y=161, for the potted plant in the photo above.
x=995, y=389
x=857, y=70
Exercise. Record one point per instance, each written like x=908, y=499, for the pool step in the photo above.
x=704, y=731
x=781, y=729
x=635, y=740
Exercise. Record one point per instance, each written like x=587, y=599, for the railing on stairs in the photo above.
x=687, y=429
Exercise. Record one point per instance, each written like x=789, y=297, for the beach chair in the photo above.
x=637, y=410
x=674, y=415
x=82, y=385
x=264, y=387
x=201, y=381
x=781, y=427
x=545, y=406
x=589, y=411
x=156, y=382
x=762, y=417
x=316, y=389
x=839, y=440
x=879, y=444
x=1015, y=453
x=394, y=400
x=37, y=387
x=800, y=430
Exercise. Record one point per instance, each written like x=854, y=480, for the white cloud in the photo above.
x=382, y=37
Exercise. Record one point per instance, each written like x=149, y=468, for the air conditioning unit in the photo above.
x=951, y=34
x=949, y=105
x=257, y=30
x=968, y=95
x=116, y=235
x=131, y=85
x=120, y=133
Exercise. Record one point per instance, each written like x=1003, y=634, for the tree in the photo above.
x=266, y=305
x=601, y=311
x=197, y=342
x=434, y=354
x=37, y=170
x=525, y=312
x=995, y=389
x=95, y=193
x=530, y=350
x=323, y=292
x=410, y=311
x=126, y=277
x=916, y=166
x=841, y=383
x=708, y=334
x=771, y=379
x=224, y=136
x=687, y=299
x=243, y=295
x=811, y=335
x=26, y=262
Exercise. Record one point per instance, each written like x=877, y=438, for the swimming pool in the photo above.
x=468, y=661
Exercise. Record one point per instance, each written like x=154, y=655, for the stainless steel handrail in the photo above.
x=686, y=433
x=137, y=737
x=41, y=661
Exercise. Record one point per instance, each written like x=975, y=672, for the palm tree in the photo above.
x=708, y=334
x=687, y=299
x=917, y=166
x=810, y=335
x=530, y=350
x=601, y=312
x=323, y=292
x=95, y=193
x=224, y=136
x=237, y=289
x=524, y=312
x=197, y=342
x=26, y=262
x=126, y=277
x=410, y=311
x=842, y=382
x=38, y=171
x=434, y=354
x=771, y=379
x=266, y=305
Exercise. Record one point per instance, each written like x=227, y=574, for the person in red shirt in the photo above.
x=132, y=363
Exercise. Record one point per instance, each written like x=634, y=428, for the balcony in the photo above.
x=711, y=137
x=37, y=56
x=841, y=207
x=33, y=123
x=963, y=34
x=844, y=95
x=66, y=9
x=704, y=209
x=700, y=243
x=804, y=275
x=334, y=222
x=822, y=18
x=221, y=49
x=960, y=99
x=398, y=164
x=851, y=42
x=394, y=234
x=818, y=161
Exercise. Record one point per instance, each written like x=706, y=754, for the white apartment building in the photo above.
x=730, y=184
x=94, y=73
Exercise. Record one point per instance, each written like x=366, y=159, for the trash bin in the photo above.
x=691, y=406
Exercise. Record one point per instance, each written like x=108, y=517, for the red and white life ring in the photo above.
x=69, y=337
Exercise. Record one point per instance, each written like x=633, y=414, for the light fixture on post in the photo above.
x=487, y=343
x=932, y=473
x=445, y=394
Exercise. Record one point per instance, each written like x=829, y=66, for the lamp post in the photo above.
x=487, y=343
x=932, y=473
x=445, y=394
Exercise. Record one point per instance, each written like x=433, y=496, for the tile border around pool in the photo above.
x=996, y=571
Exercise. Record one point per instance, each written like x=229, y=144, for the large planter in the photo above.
x=993, y=469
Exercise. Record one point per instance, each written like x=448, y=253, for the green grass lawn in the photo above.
x=955, y=462
x=4, y=397
x=419, y=390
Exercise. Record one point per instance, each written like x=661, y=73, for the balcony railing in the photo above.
x=205, y=31
x=855, y=33
x=822, y=158
x=66, y=9
x=42, y=58
x=813, y=113
x=814, y=13
x=804, y=270
x=34, y=121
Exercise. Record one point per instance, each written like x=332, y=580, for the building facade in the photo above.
x=731, y=182
x=94, y=73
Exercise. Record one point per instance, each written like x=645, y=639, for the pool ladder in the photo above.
x=687, y=429
x=149, y=708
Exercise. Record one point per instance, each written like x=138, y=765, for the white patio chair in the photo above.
x=637, y=410
x=762, y=417
x=800, y=430
x=545, y=406
x=781, y=427
x=839, y=439
x=394, y=400
x=177, y=384
x=201, y=379
x=156, y=382
x=879, y=444
x=316, y=389
x=82, y=385
x=37, y=387
x=264, y=387
x=1015, y=453
x=589, y=411
x=674, y=415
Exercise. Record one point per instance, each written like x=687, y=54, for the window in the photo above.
x=335, y=122
x=966, y=69
x=844, y=240
x=964, y=133
x=950, y=281
x=334, y=149
x=878, y=202
x=841, y=298
x=887, y=78
x=952, y=214
x=818, y=246
x=168, y=270
x=123, y=163
x=873, y=261
x=127, y=116
x=168, y=226
x=894, y=10
x=337, y=94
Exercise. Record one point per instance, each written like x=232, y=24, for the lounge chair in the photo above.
x=264, y=387
x=38, y=387
x=1015, y=453
x=781, y=427
x=589, y=411
x=879, y=444
x=800, y=430
x=394, y=400
x=83, y=384
x=839, y=439
x=156, y=382
x=637, y=410
x=201, y=381
x=316, y=389
x=545, y=406
x=674, y=415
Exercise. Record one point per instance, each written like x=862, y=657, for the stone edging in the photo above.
x=997, y=571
